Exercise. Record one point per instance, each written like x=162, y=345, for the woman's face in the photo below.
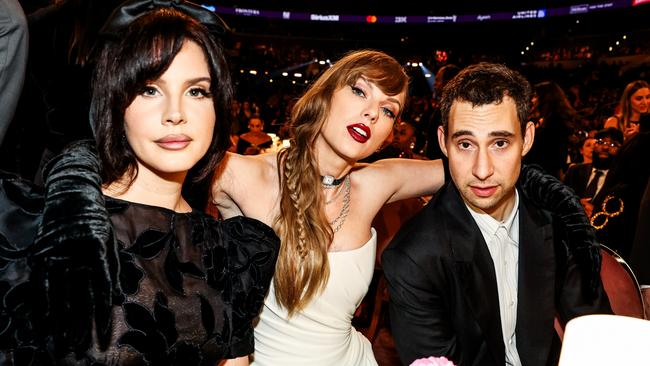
x=587, y=149
x=360, y=118
x=169, y=125
x=640, y=101
x=255, y=125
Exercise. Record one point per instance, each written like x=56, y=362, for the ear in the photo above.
x=441, y=140
x=529, y=137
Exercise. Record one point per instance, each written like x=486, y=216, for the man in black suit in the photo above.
x=586, y=179
x=480, y=273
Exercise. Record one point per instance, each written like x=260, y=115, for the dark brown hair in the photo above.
x=142, y=53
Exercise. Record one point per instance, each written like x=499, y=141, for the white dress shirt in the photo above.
x=502, y=240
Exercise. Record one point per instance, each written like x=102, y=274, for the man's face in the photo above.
x=605, y=149
x=485, y=146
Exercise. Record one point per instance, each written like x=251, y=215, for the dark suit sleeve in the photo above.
x=420, y=322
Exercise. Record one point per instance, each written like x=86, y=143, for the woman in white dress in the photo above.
x=321, y=202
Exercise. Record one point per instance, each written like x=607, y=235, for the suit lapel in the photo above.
x=475, y=269
x=536, y=286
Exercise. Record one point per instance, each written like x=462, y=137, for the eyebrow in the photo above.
x=189, y=81
x=500, y=133
x=390, y=99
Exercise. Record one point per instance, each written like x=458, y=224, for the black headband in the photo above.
x=133, y=9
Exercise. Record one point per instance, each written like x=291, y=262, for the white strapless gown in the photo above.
x=322, y=334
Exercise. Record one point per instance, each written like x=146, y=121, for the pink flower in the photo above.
x=432, y=361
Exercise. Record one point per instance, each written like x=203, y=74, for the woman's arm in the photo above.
x=408, y=178
x=246, y=185
x=611, y=122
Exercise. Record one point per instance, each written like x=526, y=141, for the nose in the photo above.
x=483, y=167
x=371, y=112
x=174, y=113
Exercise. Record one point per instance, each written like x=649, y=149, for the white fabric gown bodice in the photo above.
x=321, y=334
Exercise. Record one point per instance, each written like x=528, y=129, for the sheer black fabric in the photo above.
x=91, y=280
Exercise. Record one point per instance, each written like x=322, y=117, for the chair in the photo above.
x=620, y=285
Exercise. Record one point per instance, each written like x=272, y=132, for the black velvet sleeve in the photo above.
x=549, y=193
x=76, y=245
x=55, y=272
x=252, y=249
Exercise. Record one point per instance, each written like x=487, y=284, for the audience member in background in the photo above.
x=634, y=103
x=587, y=149
x=405, y=140
x=554, y=117
x=137, y=276
x=616, y=207
x=13, y=59
x=587, y=179
x=443, y=76
x=581, y=145
x=481, y=272
x=255, y=140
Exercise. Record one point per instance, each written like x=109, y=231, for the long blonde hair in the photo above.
x=625, y=104
x=302, y=269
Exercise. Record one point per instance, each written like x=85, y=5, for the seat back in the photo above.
x=620, y=285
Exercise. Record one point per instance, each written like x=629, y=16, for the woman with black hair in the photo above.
x=114, y=265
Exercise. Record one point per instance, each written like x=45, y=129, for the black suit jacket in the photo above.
x=443, y=292
x=577, y=177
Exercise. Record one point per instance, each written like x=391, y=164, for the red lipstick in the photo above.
x=359, y=132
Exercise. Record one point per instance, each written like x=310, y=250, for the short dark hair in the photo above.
x=612, y=132
x=143, y=52
x=487, y=83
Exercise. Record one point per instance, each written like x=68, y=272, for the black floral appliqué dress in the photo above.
x=91, y=280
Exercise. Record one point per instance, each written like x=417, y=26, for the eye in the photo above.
x=464, y=145
x=389, y=113
x=501, y=144
x=358, y=91
x=199, y=92
x=149, y=91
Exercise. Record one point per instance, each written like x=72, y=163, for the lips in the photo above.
x=359, y=132
x=174, y=142
x=483, y=191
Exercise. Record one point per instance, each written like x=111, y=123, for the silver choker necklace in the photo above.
x=329, y=181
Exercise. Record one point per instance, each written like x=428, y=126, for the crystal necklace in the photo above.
x=337, y=194
x=337, y=223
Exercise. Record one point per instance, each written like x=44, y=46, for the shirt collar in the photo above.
x=489, y=225
x=593, y=170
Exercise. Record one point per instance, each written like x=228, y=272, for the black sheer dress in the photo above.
x=91, y=280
